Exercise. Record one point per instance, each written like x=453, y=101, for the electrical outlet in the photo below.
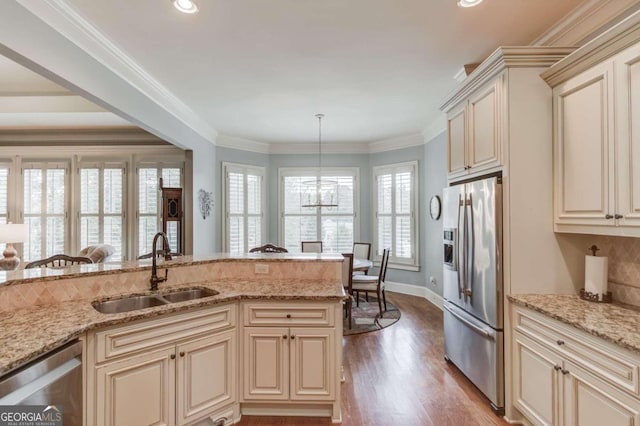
x=261, y=268
x=432, y=280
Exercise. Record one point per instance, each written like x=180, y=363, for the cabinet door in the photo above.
x=592, y=402
x=583, y=145
x=312, y=363
x=457, y=142
x=266, y=363
x=484, y=131
x=206, y=376
x=137, y=391
x=627, y=68
x=536, y=386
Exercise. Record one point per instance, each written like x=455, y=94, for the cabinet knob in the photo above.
x=565, y=372
x=618, y=216
x=181, y=353
x=293, y=336
x=284, y=336
x=560, y=342
x=557, y=367
x=608, y=216
x=288, y=315
x=173, y=356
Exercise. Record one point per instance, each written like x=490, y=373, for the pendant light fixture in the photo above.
x=320, y=192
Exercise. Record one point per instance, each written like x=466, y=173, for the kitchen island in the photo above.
x=256, y=294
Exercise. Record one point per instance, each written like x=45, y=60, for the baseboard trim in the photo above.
x=415, y=290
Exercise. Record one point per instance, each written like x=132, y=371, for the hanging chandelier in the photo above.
x=320, y=192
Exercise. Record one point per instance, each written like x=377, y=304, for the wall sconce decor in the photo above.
x=206, y=202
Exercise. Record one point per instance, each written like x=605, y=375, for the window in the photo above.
x=44, y=209
x=396, y=204
x=101, y=212
x=149, y=204
x=335, y=227
x=244, y=206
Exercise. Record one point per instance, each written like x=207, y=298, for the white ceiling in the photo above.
x=261, y=69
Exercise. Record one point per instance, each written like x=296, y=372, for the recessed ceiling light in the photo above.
x=185, y=6
x=469, y=3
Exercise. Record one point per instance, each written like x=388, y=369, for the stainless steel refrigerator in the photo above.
x=473, y=317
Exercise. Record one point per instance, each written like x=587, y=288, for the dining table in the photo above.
x=361, y=264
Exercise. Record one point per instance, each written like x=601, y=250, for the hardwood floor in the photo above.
x=398, y=376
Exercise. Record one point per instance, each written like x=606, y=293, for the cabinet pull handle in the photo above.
x=560, y=342
x=608, y=216
x=557, y=367
x=293, y=336
x=173, y=356
x=565, y=372
x=288, y=315
x=181, y=353
x=618, y=216
x=284, y=336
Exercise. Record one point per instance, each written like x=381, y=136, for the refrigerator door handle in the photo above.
x=469, y=324
x=461, y=265
x=468, y=290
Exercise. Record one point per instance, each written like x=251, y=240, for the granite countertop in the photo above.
x=616, y=323
x=45, y=274
x=27, y=333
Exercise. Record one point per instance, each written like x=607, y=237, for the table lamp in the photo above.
x=11, y=233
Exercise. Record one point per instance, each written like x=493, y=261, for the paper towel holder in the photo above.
x=593, y=249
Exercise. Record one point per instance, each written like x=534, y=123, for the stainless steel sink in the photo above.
x=128, y=304
x=188, y=294
x=133, y=303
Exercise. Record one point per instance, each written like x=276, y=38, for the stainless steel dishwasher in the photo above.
x=53, y=379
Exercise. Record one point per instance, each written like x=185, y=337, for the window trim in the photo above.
x=228, y=167
x=393, y=168
x=313, y=172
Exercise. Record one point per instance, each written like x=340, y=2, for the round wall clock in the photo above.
x=435, y=207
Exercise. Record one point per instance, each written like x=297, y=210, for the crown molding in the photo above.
x=607, y=44
x=233, y=142
x=63, y=18
x=130, y=136
x=108, y=151
x=435, y=129
x=400, y=142
x=587, y=21
x=501, y=59
x=312, y=148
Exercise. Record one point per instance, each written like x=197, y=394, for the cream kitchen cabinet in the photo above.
x=474, y=143
x=294, y=364
x=596, y=138
x=173, y=370
x=563, y=376
x=291, y=357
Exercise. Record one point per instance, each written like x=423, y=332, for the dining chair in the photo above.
x=268, y=248
x=372, y=283
x=312, y=246
x=58, y=261
x=347, y=276
x=362, y=251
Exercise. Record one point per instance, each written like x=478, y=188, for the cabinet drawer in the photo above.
x=121, y=340
x=290, y=314
x=593, y=354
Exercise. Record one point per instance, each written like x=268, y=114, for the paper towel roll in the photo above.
x=596, y=275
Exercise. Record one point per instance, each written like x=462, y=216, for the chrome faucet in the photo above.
x=166, y=250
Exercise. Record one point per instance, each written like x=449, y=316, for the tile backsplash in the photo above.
x=624, y=266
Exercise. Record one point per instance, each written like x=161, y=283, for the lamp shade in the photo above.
x=13, y=232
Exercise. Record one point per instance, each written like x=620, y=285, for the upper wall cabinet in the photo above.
x=477, y=111
x=596, y=134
